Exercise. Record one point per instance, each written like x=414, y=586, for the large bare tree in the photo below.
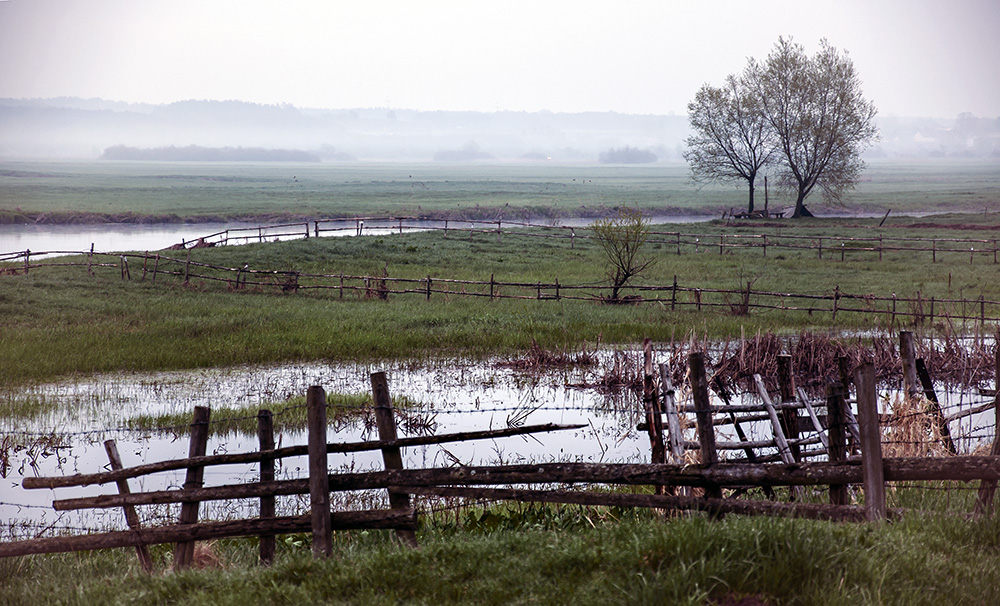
x=732, y=138
x=819, y=117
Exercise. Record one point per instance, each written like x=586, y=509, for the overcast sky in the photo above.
x=916, y=57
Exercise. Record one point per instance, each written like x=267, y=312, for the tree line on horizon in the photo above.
x=197, y=153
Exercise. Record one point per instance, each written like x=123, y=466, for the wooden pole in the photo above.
x=90, y=259
x=836, y=438
x=391, y=455
x=32, y=482
x=703, y=416
x=871, y=442
x=723, y=392
x=184, y=551
x=654, y=421
x=908, y=358
x=789, y=416
x=265, y=435
x=141, y=549
x=319, y=480
x=928, y=387
x=904, y=469
x=344, y=520
x=779, y=435
x=988, y=488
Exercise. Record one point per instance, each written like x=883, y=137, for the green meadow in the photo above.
x=60, y=322
x=140, y=191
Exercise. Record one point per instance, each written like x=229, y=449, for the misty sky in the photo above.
x=916, y=57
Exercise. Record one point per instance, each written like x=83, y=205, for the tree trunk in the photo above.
x=750, y=206
x=800, y=207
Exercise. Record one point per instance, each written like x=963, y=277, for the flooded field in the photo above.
x=72, y=418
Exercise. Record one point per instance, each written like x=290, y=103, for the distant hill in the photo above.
x=85, y=128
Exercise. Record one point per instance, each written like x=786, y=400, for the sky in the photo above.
x=916, y=58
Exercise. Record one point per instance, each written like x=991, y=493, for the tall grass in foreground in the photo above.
x=635, y=560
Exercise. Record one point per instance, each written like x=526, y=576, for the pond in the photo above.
x=442, y=396
x=122, y=237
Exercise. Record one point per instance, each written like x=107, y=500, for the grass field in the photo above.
x=566, y=555
x=60, y=322
x=103, y=191
x=104, y=324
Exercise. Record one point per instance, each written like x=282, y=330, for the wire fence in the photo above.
x=917, y=308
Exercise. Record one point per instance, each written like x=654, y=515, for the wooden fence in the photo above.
x=916, y=308
x=834, y=247
x=672, y=481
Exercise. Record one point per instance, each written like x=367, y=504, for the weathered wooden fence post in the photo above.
x=265, y=436
x=789, y=416
x=130, y=515
x=871, y=442
x=836, y=436
x=184, y=551
x=784, y=449
x=654, y=421
x=674, y=434
x=90, y=259
x=908, y=358
x=703, y=416
x=988, y=488
x=385, y=421
x=319, y=478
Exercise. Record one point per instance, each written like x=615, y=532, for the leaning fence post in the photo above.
x=131, y=517
x=928, y=386
x=184, y=552
x=988, y=488
x=319, y=478
x=385, y=421
x=674, y=435
x=265, y=435
x=871, y=442
x=703, y=416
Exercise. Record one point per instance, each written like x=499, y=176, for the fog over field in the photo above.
x=72, y=128
x=461, y=81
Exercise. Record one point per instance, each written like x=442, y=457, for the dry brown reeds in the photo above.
x=912, y=429
x=539, y=358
